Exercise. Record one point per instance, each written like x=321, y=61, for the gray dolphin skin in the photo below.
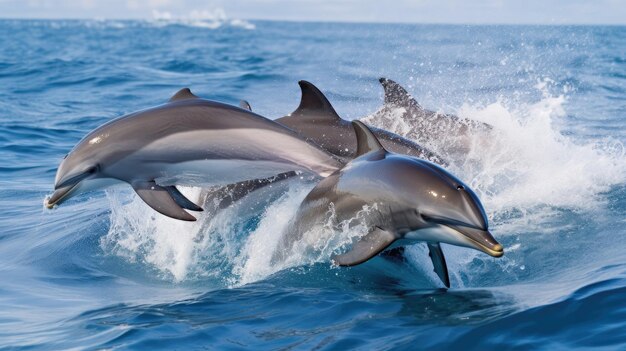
x=316, y=120
x=186, y=141
x=409, y=199
x=446, y=134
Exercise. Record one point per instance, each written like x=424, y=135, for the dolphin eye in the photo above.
x=460, y=187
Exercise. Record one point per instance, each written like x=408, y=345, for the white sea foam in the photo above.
x=210, y=19
x=138, y=233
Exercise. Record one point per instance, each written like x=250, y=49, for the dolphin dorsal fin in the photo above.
x=183, y=94
x=245, y=105
x=314, y=100
x=396, y=95
x=366, y=141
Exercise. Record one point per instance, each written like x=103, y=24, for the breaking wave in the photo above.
x=210, y=19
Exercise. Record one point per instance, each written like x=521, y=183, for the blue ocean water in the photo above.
x=103, y=272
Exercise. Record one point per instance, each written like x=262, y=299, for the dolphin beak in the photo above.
x=481, y=240
x=64, y=186
x=59, y=195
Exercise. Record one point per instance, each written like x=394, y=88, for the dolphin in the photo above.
x=186, y=141
x=446, y=134
x=399, y=198
x=316, y=120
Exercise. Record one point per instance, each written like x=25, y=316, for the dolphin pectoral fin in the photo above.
x=369, y=246
x=439, y=262
x=245, y=105
x=181, y=200
x=160, y=199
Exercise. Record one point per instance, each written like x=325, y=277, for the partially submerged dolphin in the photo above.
x=316, y=120
x=407, y=199
x=446, y=134
x=187, y=141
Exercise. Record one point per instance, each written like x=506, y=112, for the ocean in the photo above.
x=103, y=272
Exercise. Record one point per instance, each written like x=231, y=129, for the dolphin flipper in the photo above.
x=439, y=262
x=245, y=105
x=181, y=200
x=369, y=246
x=160, y=199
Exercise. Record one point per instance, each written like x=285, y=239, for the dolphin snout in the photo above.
x=481, y=240
x=59, y=195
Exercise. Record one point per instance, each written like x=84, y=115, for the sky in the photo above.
x=407, y=11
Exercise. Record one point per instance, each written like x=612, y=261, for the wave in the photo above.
x=206, y=19
x=200, y=19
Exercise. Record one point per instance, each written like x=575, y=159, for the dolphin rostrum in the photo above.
x=408, y=199
x=316, y=119
x=186, y=141
x=446, y=134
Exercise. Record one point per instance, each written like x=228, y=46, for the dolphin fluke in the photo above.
x=396, y=95
x=161, y=200
x=369, y=246
x=439, y=262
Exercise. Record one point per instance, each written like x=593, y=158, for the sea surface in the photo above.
x=103, y=271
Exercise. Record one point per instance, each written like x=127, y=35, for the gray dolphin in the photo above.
x=185, y=141
x=316, y=119
x=446, y=134
x=408, y=199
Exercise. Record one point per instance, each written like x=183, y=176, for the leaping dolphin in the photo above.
x=186, y=141
x=316, y=119
x=446, y=134
x=409, y=199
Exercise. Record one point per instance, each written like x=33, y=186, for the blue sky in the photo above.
x=413, y=11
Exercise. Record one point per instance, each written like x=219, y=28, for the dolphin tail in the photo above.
x=369, y=246
x=439, y=262
x=162, y=200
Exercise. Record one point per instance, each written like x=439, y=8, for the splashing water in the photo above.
x=526, y=161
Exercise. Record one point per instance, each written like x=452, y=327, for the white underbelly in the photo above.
x=439, y=233
x=219, y=172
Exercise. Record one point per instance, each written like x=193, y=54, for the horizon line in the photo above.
x=321, y=21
